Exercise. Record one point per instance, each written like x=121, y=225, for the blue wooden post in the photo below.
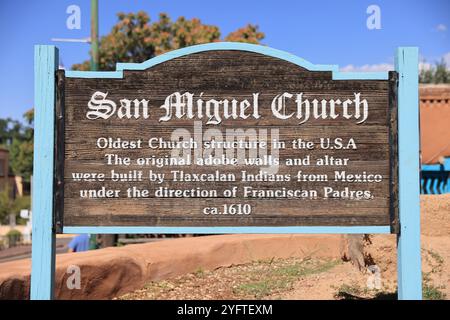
x=408, y=242
x=43, y=236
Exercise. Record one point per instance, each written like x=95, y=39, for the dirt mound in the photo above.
x=109, y=272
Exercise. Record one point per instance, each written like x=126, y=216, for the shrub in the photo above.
x=14, y=237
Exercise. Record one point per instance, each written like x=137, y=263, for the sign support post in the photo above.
x=408, y=240
x=43, y=236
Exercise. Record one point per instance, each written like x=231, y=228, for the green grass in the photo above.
x=263, y=288
x=300, y=270
x=199, y=273
x=273, y=280
x=161, y=285
x=431, y=292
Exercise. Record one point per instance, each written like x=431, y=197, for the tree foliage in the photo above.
x=135, y=39
x=249, y=34
x=21, y=158
x=439, y=73
x=18, y=139
x=8, y=205
x=9, y=130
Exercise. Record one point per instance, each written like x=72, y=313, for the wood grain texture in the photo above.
x=59, y=152
x=46, y=60
x=409, y=263
x=393, y=154
x=228, y=75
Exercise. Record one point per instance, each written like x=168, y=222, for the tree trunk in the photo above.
x=352, y=249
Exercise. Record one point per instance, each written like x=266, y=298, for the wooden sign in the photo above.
x=228, y=138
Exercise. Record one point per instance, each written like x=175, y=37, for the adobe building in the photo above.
x=435, y=137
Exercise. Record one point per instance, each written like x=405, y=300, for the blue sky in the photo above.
x=321, y=31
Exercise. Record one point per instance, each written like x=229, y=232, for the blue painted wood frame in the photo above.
x=43, y=235
x=408, y=241
x=409, y=267
x=336, y=74
x=222, y=230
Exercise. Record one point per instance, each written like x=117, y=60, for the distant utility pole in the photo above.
x=106, y=240
x=94, y=36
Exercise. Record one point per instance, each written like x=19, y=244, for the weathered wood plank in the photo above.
x=231, y=75
x=59, y=152
x=393, y=154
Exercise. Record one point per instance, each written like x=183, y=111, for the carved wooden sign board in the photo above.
x=225, y=138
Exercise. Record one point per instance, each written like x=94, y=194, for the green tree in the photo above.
x=439, y=73
x=135, y=39
x=21, y=158
x=9, y=130
x=29, y=117
x=8, y=205
x=249, y=34
x=18, y=139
